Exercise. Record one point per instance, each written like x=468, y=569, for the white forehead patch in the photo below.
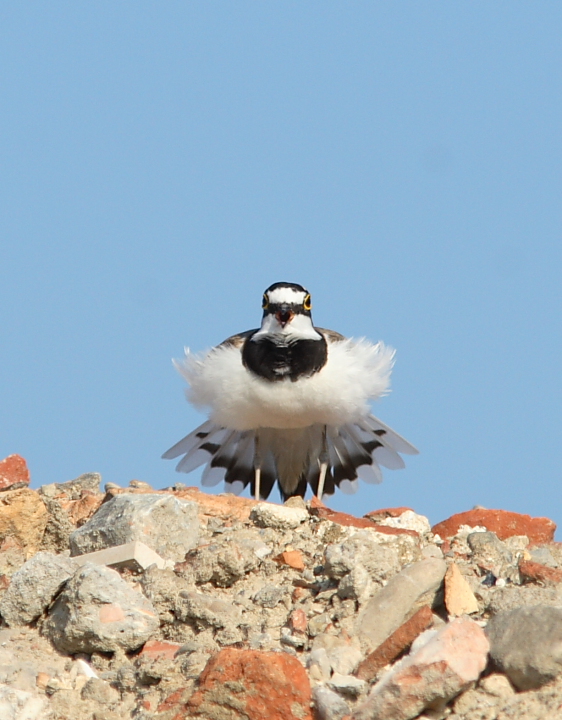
x=286, y=295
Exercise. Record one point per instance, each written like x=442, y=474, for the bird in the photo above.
x=288, y=403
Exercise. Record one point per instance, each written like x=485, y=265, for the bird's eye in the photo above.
x=307, y=303
x=265, y=302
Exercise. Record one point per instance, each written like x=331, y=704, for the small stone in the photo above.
x=99, y=611
x=347, y=684
x=459, y=598
x=165, y=523
x=318, y=624
x=505, y=524
x=404, y=593
x=253, y=685
x=497, y=685
x=33, y=587
x=269, y=596
x=293, y=640
x=329, y=705
x=490, y=554
x=526, y=644
x=99, y=691
x=448, y=663
x=13, y=472
x=280, y=517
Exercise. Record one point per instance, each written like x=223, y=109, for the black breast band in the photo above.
x=281, y=360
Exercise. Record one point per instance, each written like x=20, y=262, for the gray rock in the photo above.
x=74, y=488
x=163, y=588
x=526, y=644
x=413, y=587
x=208, y=611
x=347, y=685
x=269, y=596
x=491, y=554
x=99, y=611
x=329, y=705
x=381, y=561
x=33, y=587
x=544, y=556
x=223, y=563
x=99, y=691
x=508, y=598
x=168, y=525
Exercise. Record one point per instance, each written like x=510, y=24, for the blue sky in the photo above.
x=162, y=163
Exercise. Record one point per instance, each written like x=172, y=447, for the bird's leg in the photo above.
x=257, y=467
x=323, y=464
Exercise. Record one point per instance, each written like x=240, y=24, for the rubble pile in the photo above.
x=173, y=604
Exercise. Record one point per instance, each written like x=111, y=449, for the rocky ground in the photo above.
x=173, y=604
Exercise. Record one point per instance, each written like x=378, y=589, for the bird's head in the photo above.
x=287, y=311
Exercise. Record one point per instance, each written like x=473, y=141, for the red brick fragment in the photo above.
x=251, y=685
x=13, y=471
x=383, y=513
x=504, y=523
x=351, y=521
x=536, y=572
x=292, y=558
x=160, y=649
x=298, y=621
x=395, y=644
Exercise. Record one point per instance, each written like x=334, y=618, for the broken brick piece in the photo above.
x=394, y=645
x=13, y=472
x=504, y=523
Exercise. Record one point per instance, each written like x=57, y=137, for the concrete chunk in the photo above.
x=166, y=524
x=134, y=555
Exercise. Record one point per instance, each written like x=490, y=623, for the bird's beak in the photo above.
x=284, y=315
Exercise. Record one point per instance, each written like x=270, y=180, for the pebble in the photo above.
x=347, y=685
